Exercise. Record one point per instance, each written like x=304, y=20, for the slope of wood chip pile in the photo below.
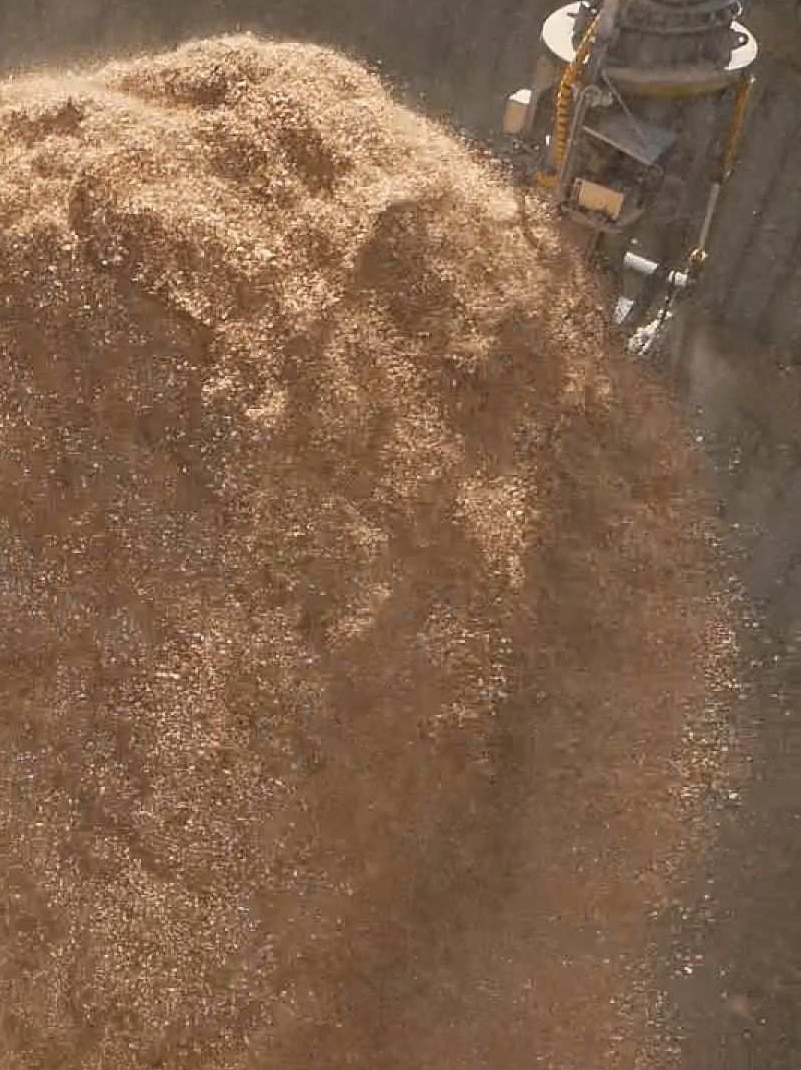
x=353, y=592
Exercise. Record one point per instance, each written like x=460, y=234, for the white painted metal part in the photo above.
x=514, y=118
x=557, y=36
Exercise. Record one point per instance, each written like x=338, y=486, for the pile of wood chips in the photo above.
x=355, y=592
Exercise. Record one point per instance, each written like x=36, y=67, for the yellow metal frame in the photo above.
x=563, y=109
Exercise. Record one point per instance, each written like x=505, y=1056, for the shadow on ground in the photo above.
x=736, y=967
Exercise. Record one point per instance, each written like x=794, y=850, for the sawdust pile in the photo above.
x=352, y=606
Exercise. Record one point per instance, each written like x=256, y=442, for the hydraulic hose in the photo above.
x=564, y=96
x=735, y=136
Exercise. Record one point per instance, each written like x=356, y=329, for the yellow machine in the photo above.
x=632, y=124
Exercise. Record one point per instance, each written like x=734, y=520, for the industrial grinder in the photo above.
x=632, y=125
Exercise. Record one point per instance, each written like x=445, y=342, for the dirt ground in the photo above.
x=739, y=921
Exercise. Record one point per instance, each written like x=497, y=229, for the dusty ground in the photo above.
x=355, y=617
x=738, y=922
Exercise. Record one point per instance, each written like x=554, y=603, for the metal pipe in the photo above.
x=607, y=20
x=711, y=208
x=744, y=91
x=640, y=265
